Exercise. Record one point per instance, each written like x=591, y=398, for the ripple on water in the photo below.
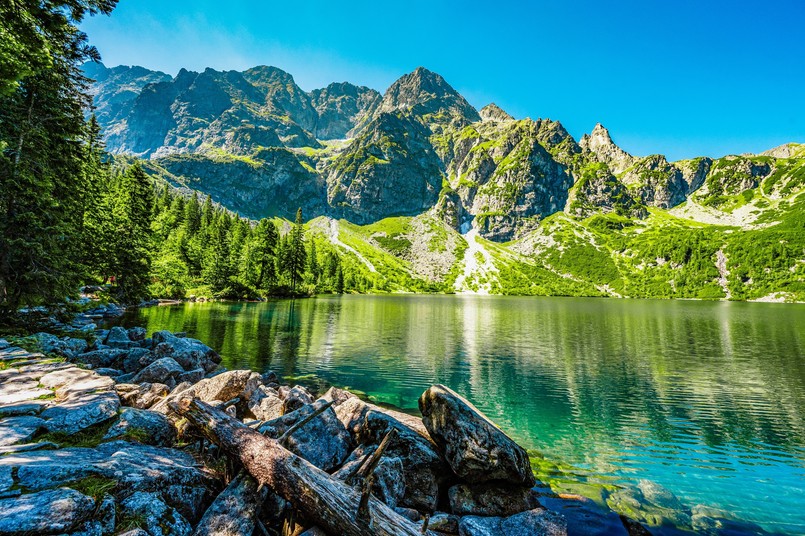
x=706, y=399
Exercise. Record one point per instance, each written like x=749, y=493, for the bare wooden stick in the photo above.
x=363, y=505
x=320, y=498
x=283, y=440
x=425, y=524
x=370, y=461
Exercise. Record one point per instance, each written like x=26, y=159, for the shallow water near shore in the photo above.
x=706, y=399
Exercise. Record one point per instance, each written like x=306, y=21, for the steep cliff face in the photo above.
x=341, y=107
x=656, y=182
x=389, y=170
x=598, y=191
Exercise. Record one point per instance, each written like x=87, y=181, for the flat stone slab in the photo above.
x=14, y=392
x=47, y=512
x=72, y=374
x=74, y=415
x=136, y=467
x=43, y=368
x=23, y=408
x=18, y=429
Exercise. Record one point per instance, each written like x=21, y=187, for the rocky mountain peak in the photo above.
x=493, y=112
x=600, y=143
x=426, y=93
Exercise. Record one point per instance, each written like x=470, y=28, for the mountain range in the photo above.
x=496, y=197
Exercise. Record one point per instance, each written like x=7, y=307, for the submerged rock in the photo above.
x=537, y=522
x=476, y=449
x=491, y=500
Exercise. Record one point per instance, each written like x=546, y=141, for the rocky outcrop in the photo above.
x=493, y=112
x=341, y=108
x=47, y=512
x=426, y=94
x=475, y=448
x=598, y=191
x=604, y=150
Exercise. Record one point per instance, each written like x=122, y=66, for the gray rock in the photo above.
x=134, y=532
x=102, y=358
x=18, y=429
x=189, y=353
x=633, y=503
x=141, y=396
x=137, y=334
x=234, y=512
x=160, y=371
x=424, y=469
x=23, y=391
x=191, y=376
x=159, y=517
x=154, y=428
x=444, y=523
x=118, y=338
x=66, y=347
x=389, y=475
x=135, y=359
x=47, y=512
x=476, y=449
x=491, y=499
x=22, y=408
x=4, y=344
x=324, y=441
x=222, y=387
x=585, y=518
x=297, y=397
x=134, y=466
x=538, y=522
x=76, y=414
x=266, y=404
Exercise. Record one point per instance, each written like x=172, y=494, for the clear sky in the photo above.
x=679, y=77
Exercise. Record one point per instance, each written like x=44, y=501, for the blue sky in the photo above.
x=683, y=78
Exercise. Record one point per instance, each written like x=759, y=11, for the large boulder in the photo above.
x=491, y=499
x=163, y=370
x=189, y=353
x=295, y=398
x=47, y=512
x=159, y=518
x=265, y=404
x=476, y=449
x=145, y=426
x=424, y=468
x=538, y=522
x=220, y=388
x=118, y=337
x=109, y=357
x=324, y=441
x=79, y=413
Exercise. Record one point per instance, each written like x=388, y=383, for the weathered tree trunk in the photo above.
x=325, y=501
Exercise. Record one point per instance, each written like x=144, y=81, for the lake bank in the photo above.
x=627, y=390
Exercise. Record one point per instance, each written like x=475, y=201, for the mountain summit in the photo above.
x=427, y=94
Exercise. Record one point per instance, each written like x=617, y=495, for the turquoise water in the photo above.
x=704, y=398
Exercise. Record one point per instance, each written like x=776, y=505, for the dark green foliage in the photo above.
x=43, y=140
x=132, y=247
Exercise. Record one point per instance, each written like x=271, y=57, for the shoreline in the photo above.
x=118, y=342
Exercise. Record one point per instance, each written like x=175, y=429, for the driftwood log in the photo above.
x=323, y=500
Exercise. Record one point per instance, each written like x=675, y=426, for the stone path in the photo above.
x=40, y=395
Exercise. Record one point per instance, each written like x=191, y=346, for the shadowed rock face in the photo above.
x=475, y=448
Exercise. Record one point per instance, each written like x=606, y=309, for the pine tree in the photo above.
x=313, y=268
x=339, y=281
x=218, y=269
x=42, y=101
x=295, y=255
x=134, y=215
x=264, y=251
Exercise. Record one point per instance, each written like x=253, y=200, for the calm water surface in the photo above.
x=704, y=398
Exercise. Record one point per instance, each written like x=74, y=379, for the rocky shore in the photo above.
x=116, y=432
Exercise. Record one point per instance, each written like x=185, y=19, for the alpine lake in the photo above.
x=697, y=405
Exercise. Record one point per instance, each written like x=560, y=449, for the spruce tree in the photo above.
x=295, y=255
x=134, y=215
